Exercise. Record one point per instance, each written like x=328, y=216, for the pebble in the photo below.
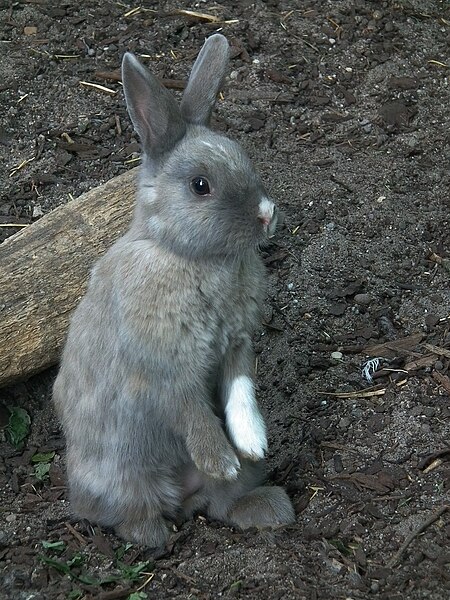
x=11, y=518
x=344, y=423
x=256, y=124
x=438, y=365
x=337, y=355
x=37, y=211
x=363, y=299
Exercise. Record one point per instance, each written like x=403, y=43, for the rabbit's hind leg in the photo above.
x=141, y=527
x=246, y=503
x=135, y=504
x=265, y=506
x=149, y=511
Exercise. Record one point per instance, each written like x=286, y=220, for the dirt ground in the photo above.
x=344, y=106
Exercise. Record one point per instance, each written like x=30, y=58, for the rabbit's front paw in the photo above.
x=244, y=421
x=216, y=460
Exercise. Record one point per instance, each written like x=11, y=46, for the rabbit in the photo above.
x=155, y=389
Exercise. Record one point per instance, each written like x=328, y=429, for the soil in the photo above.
x=344, y=107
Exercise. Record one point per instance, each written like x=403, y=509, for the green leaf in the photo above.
x=137, y=596
x=42, y=457
x=75, y=595
x=87, y=579
x=236, y=586
x=76, y=561
x=18, y=426
x=65, y=568
x=56, y=564
x=341, y=546
x=132, y=572
x=57, y=546
x=121, y=550
x=41, y=471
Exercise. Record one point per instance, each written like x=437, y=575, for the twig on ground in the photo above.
x=99, y=88
x=76, y=534
x=431, y=519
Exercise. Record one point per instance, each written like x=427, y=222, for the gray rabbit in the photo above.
x=155, y=390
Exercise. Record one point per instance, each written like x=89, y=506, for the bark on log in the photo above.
x=44, y=270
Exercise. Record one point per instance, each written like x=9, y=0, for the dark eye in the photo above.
x=200, y=186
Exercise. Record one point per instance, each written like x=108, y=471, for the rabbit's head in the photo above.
x=200, y=195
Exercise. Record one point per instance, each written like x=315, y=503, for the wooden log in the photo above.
x=44, y=270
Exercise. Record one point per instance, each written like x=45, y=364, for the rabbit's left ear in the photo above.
x=205, y=80
x=153, y=110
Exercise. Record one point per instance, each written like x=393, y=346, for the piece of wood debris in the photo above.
x=439, y=455
x=395, y=348
x=437, y=462
x=76, y=534
x=421, y=363
x=367, y=393
x=116, y=75
x=34, y=324
x=443, y=380
x=437, y=350
x=382, y=483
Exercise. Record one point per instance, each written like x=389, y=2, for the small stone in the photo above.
x=431, y=321
x=337, y=355
x=11, y=518
x=344, y=423
x=338, y=308
x=363, y=299
x=30, y=30
x=438, y=365
x=37, y=211
x=256, y=124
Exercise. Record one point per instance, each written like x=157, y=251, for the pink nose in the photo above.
x=265, y=220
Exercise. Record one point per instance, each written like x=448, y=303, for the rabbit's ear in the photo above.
x=153, y=110
x=205, y=80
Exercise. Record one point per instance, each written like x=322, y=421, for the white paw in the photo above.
x=244, y=421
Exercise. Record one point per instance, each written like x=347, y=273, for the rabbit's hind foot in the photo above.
x=262, y=507
x=148, y=531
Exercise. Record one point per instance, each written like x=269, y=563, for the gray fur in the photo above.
x=165, y=329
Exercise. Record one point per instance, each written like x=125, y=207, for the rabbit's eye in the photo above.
x=200, y=186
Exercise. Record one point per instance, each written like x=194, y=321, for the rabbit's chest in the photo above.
x=233, y=306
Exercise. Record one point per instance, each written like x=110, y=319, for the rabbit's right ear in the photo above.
x=205, y=80
x=152, y=108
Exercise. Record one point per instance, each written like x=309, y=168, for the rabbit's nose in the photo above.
x=266, y=211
